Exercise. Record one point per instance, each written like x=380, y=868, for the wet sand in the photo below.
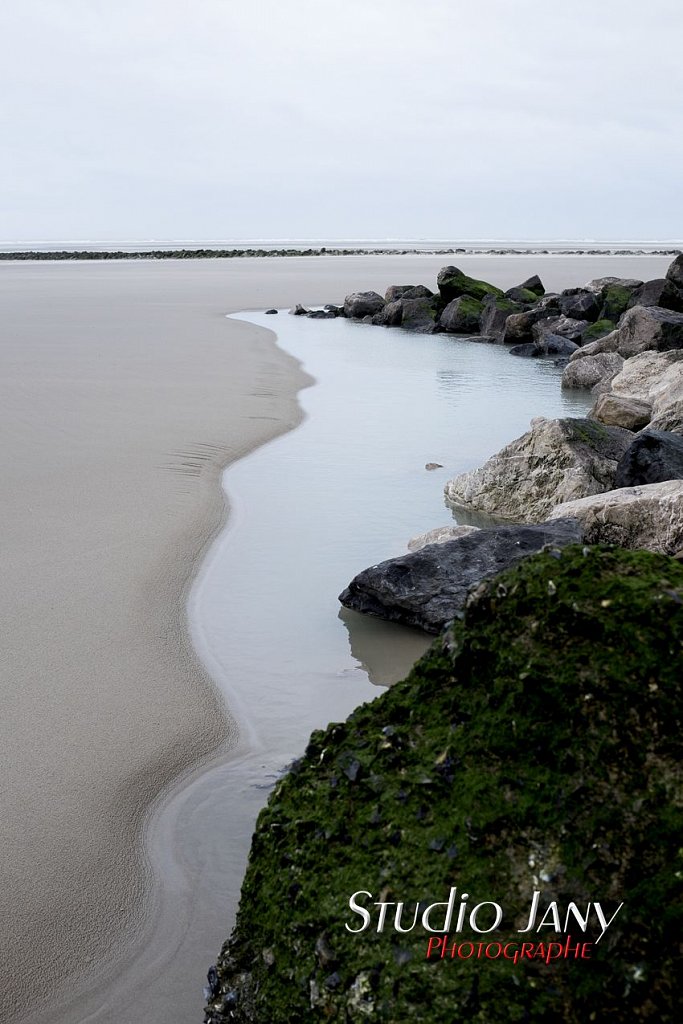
x=124, y=392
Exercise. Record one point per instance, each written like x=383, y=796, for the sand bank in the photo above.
x=124, y=392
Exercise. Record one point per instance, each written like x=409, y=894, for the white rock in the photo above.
x=648, y=517
x=439, y=535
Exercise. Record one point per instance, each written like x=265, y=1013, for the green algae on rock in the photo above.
x=536, y=746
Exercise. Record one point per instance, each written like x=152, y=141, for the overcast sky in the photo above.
x=341, y=118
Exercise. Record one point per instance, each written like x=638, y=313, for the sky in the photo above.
x=333, y=119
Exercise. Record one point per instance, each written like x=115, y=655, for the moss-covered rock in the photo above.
x=536, y=746
x=615, y=300
x=453, y=283
x=600, y=329
x=462, y=315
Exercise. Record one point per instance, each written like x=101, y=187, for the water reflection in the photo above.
x=382, y=649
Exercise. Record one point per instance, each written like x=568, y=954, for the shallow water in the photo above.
x=344, y=490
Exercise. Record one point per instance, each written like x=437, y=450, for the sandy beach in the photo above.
x=124, y=393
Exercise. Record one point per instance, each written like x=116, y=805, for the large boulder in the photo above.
x=582, y=305
x=556, y=461
x=654, y=456
x=621, y=411
x=550, y=345
x=675, y=271
x=453, y=283
x=361, y=304
x=607, y=343
x=461, y=316
x=648, y=517
x=428, y=588
x=390, y=315
x=591, y=370
x=649, y=327
x=519, y=326
x=536, y=746
x=563, y=326
x=661, y=292
x=667, y=400
x=614, y=293
x=600, y=329
x=533, y=284
x=407, y=291
x=646, y=373
x=522, y=296
x=494, y=314
x=419, y=315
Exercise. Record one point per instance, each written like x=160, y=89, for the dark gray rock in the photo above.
x=337, y=310
x=391, y=315
x=533, y=284
x=269, y=312
x=407, y=291
x=361, y=304
x=556, y=345
x=522, y=296
x=461, y=316
x=675, y=271
x=321, y=314
x=299, y=310
x=494, y=314
x=654, y=456
x=518, y=326
x=661, y=292
x=428, y=588
x=528, y=349
x=452, y=283
x=583, y=305
x=559, y=326
x=419, y=315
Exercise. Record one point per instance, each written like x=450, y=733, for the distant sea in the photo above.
x=427, y=245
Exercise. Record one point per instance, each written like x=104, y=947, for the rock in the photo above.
x=407, y=291
x=461, y=316
x=662, y=293
x=615, y=294
x=440, y=535
x=654, y=456
x=621, y=411
x=556, y=461
x=299, y=310
x=337, y=310
x=643, y=374
x=648, y=517
x=600, y=329
x=609, y=343
x=390, y=315
x=521, y=296
x=428, y=587
x=600, y=284
x=563, y=326
x=541, y=735
x=453, y=283
x=584, y=305
x=419, y=315
x=675, y=271
x=484, y=339
x=270, y=312
x=519, y=326
x=321, y=314
x=556, y=345
x=533, y=284
x=494, y=314
x=591, y=370
x=528, y=350
x=648, y=327
x=361, y=304
x=433, y=465
x=551, y=345
x=667, y=400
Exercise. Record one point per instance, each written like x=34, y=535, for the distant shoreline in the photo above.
x=203, y=254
